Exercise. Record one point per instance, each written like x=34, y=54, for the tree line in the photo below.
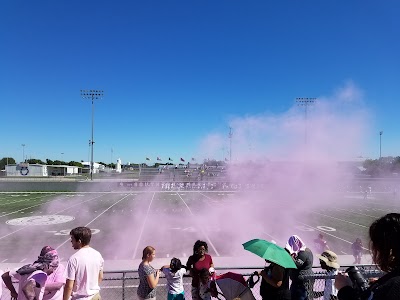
x=383, y=167
x=11, y=161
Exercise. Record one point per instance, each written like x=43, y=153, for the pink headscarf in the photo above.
x=48, y=258
x=295, y=244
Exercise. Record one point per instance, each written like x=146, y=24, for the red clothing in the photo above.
x=198, y=266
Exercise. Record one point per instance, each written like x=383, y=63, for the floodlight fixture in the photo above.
x=23, y=152
x=305, y=102
x=92, y=95
x=230, y=144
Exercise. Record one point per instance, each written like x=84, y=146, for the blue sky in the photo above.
x=175, y=72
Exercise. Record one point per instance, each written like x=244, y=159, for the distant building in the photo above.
x=25, y=169
x=63, y=170
x=37, y=170
x=97, y=168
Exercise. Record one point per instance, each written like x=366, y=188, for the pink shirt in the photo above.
x=39, y=276
x=59, y=275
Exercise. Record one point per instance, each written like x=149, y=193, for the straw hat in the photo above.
x=330, y=258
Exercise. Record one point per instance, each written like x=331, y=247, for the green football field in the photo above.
x=123, y=223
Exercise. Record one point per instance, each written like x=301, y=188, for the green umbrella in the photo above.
x=270, y=252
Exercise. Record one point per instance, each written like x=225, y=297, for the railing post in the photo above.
x=123, y=285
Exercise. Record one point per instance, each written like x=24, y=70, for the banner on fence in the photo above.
x=205, y=186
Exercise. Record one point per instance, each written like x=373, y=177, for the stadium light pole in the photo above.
x=88, y=156
x=230, y=144
x=62, y=160
x=23, y=152
x=305, y=102
x=380, y=144
x=92, y=95
x=112, y=151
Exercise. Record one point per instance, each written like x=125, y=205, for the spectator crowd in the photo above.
x=48, y=279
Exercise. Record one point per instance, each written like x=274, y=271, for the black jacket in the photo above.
x=385, y=288
x=269, y=292
x=304, y=262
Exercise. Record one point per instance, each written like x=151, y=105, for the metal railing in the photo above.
x=315, y=283
x=122, y=285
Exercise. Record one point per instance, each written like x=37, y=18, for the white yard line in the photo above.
x=4, y=236
x=330, y=234
x=142, y=229
x=99, y=215
x=77, y=204
x=382, y=204
x=22, y=209
x=371, y=204
x=361, y=214
x=106, y=210
x=277, y=240
x=379, y=209
x=205, y=234
x=24, y=227
x=23, y=200
x=340, y=219
x=367, y=206
x=207, y=202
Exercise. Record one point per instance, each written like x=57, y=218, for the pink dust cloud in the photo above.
x=266, y=148
x=299, y=176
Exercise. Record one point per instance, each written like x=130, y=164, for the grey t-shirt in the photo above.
x=144, y=290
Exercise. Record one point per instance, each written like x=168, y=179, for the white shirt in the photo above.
x=39, y=276
x=174, y=280
x=330, y=288
x=84, y=267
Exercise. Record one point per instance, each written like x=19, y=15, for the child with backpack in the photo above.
x=207, y=286
x=174, y=274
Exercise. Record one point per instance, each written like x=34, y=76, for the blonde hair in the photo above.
x=148, y=251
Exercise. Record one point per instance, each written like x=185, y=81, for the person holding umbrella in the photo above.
x=275, y=277
x=275, y=282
